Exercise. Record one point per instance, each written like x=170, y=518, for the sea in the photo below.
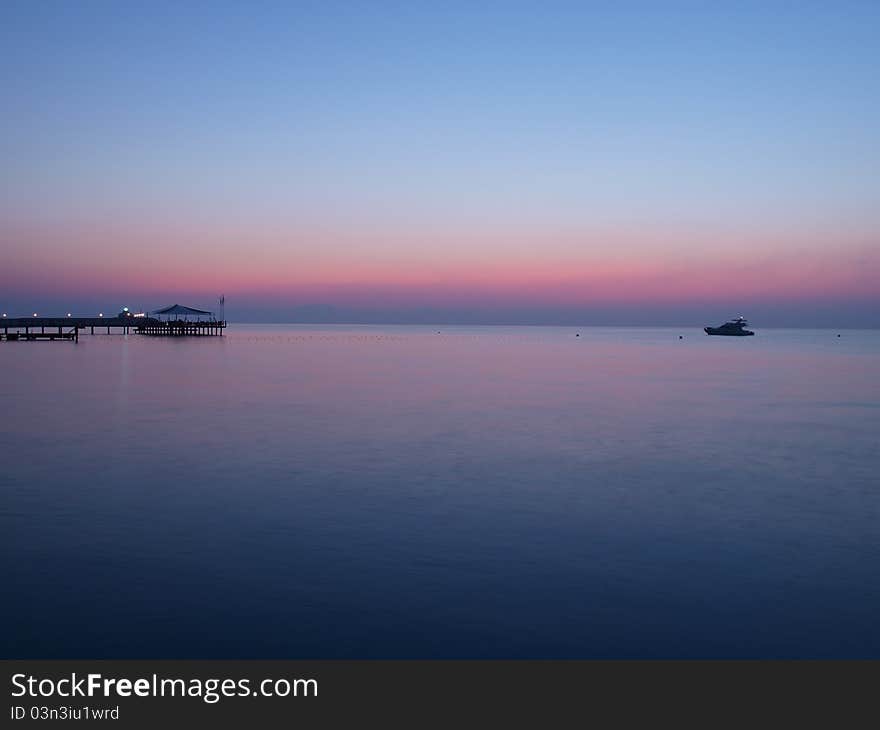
x=321, y=492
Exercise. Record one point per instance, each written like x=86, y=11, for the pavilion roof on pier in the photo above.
x=180, y=309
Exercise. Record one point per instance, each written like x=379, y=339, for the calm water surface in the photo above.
x=321, y=492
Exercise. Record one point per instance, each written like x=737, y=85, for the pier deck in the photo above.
x=29, y=329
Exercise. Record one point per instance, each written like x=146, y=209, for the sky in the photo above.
x=496, y=162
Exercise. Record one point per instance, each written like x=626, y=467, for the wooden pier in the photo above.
x=32, y=336
x=30, y=329
x=181, y=328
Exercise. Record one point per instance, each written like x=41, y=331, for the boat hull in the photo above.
x=727, y=333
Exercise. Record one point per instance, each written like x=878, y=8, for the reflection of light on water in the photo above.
x=124, y=382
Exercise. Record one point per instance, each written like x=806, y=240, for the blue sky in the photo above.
x=757, y=121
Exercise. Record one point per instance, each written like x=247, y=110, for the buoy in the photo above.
x=838, y=335
x=680, y=337
x=579, y=334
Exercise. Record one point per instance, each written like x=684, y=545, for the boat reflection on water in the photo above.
x=733, y=328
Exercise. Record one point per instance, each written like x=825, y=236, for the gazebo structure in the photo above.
x=178, y=320
x=179, y=313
